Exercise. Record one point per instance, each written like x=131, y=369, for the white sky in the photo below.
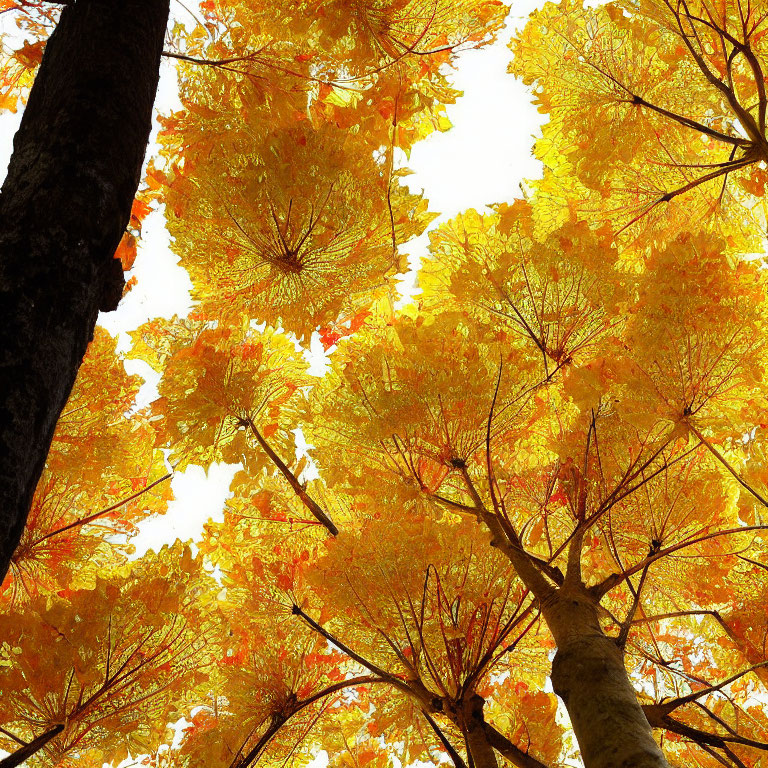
x=481, y=160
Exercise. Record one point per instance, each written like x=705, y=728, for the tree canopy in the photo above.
x=529, y=524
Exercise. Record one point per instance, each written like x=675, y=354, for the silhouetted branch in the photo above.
x=34, y=746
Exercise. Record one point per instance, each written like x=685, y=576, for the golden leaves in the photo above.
x=392, y=408
x=657, y=113
x=215, y=391
x=529, y=716
x=697, y=333
x=549, y=291
x=303, y=225
x=437, y=614
x=288, y=171
x=117, y=659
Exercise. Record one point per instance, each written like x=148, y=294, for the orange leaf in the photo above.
x=127, y=251
x=31, y=54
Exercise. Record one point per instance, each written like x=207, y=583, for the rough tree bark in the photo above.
x=63, y=208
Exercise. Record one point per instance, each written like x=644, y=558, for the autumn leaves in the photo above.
x=284, y=158
x=556, y=450
x=657, y=113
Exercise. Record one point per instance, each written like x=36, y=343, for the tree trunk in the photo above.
x=63, y=208
x=480, y=750
x=588, y=674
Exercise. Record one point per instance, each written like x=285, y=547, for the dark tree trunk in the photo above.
x=63, y=208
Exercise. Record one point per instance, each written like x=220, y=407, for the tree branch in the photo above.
x=678, y=614
x=621, y=640
x=396, y=682
x=313, y=507
x=506, y=541
x=418, y=691
x=210, y=62
x=601, y=588
x=711, y=448
x=693, y=124
x=510, y=751
x=279, y=720
x=670, y=706
x=449, y=748
x=101, y=513
x=573, y=568
x=696, y=735
x=34, y=746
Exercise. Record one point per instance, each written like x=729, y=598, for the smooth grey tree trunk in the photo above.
x=588, y=674
x=64, y=206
